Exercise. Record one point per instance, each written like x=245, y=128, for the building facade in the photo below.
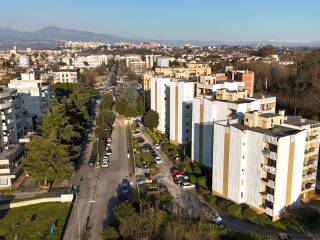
x=67, y=74
x=181, y=95
x=160, y=101
x=267, y=162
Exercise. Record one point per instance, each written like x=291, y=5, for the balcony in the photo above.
x=269, y=169
x=269, y=154
x=311, y=152
x=308, y=187
x=6, y=105
x=310, y=164
x=312, y=139
x=270, y=139
x=269, y=211
x=270, y=197
x=309, y=176
x=271, y=184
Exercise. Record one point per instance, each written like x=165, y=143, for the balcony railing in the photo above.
x=310, y=176
x=270, y=139
x=269, y=154
x=270, y=197
x=271, y=184
x=269, y=169
x=269, y=211
x=311, y=151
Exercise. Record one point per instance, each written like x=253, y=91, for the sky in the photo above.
x=296, y=20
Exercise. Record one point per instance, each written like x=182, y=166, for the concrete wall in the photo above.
x=62, y=198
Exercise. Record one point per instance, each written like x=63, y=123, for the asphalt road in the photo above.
x=99, y=187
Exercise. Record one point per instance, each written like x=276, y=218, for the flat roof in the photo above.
x=276, y=131
x=299, y=121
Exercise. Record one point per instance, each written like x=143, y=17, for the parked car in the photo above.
x=182, y=176
x=92, y=160
x=145, y=147
x=216, y=219
x=156, y=146
x=105, y=164
x=178, y=180
x=187, y=185
x=108, y=152
x=136, y=134
x=158, y=160
x=125, y=187
x=108, y=144
x=109, y=139
x=140, y=140
x=175, y=172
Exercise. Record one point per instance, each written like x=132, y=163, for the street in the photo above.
x=99, y=187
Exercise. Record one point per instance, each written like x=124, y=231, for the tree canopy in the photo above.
x=151, y=119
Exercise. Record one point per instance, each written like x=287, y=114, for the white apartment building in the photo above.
x=67, y=74
x=160, y=101
x=35, y=97
x=268, y=162
x=151, y=60
x=91, y=61
x=181, y=95
x=137, y=67
x=10, y=130
x=163, y=62
x=24, y=61
x=221, y=105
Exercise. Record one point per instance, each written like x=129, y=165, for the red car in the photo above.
x=175, y=172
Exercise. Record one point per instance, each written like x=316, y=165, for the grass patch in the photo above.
x=291, y=223
x=34, y=221
x=147, y=158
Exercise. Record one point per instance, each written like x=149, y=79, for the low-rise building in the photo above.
x=137, y=67
x=67, y=74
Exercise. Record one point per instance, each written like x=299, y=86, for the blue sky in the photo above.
x=172, y=19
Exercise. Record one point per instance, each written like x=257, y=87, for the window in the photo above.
x=241, y=194
x=187, y=106
x=4, y=181
x=187, y=130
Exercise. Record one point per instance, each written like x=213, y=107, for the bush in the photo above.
x=223, y=203
x=305, y=215
x=188, y=169
x=110, y=233
x=197, y=170
x=234, y=210
x=193, y=179
x=212, y=200
x=249, y=213
x=202, y=181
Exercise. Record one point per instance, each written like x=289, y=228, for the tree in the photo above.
x=47, y=160
x=151, y=119
x=110, y=233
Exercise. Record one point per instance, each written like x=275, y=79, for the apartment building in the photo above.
x=91, y=61
x=24, y=61
x=192, y=69
x=243, y=76
x=160, y=101
x=181, y=95
x=67, y=74
x=137, y=67
x=35, y=97
x=268, y=161
x=220, y=105
x=11, y=129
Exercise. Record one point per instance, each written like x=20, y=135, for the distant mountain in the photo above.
x=51, y=37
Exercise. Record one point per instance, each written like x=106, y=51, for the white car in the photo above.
x=156, y=146
x=216, y=219
x=136, y=134
x=187, y=185
x=158, y=160
x=105, y=164
x=109, y=140
x=182, y=176
x=108, y=144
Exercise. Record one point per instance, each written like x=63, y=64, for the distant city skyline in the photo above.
x=172, y=19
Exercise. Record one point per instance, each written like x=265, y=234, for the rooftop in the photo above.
x=276, y=131
x=299, y=121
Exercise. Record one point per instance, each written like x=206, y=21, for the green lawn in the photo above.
x=34, y=221
x=147, y=158
x=289, y=223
